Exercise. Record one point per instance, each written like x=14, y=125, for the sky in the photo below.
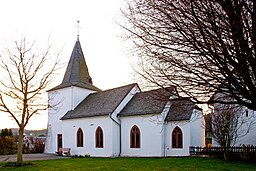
x=106, y=53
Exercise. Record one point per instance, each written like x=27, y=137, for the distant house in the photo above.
x=28, y=142
x=122, y=121
x=245, y=122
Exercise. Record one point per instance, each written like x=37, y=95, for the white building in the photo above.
x=243, y=125
x=121, y=121
x=247, y=130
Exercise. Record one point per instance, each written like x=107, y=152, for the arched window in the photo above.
x=79, y=138
x=177, y=138
x=135, y=137
x=99, y=137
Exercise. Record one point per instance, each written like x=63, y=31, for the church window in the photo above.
x=177, y=138
x=90, y=80
x=79, y=138
x=135, y=137
x=99, y=138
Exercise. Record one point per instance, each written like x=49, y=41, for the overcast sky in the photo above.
x=105, y=51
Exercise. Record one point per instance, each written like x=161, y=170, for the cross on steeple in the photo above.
x=78, y=28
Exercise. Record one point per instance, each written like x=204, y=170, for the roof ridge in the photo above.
x=120, y=87
x=158, y=89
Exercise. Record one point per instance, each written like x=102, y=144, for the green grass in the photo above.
x=143, y=164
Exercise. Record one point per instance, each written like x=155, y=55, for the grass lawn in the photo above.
x=105, y=164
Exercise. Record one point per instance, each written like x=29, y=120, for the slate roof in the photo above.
x=77, y=73
x=148, y=102
x=99, y=103
x=181, y=109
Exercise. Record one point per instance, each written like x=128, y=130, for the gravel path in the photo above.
x=30, y=157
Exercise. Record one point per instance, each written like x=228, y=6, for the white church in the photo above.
x=122, y=121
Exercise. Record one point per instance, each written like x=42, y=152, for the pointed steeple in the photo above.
x=77, y=70
x=77, y=73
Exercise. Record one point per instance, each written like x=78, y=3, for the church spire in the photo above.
x=77, y=73
x=77, y=70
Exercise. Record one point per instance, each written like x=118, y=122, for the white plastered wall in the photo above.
x=185, y=128
x=89, y=126
x=62, y=101
x=197, y=129
x=150, y=135
x=115, y=139
x=116, y=125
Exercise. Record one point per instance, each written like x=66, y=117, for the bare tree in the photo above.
x=229, y=122
x=200, y=46
x=225, y=125
x=25, y=76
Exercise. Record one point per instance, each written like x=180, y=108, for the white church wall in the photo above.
x=116, y=123
x=197, y=129
x=115, y=139
x=88, y=126
x=185, y=128
x=62, y=101
x=150, y=135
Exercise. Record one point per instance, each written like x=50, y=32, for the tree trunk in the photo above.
x=225, y=155
x=20, y=146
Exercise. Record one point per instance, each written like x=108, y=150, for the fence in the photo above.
x=245, y=153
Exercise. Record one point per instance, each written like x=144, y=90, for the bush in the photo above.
x=39, y=146
x=7, y=145
x=80, y=156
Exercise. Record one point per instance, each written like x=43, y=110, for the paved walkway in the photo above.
x=30, y=157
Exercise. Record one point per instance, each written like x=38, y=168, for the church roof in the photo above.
x=148, y=102
x=99, y=103
x=154, y=101
x=77, y=73
x=181, y=109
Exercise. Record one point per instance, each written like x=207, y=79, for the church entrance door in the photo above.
x=59, y=141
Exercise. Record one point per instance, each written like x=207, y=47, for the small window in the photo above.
x=79, y=138
x=246, y=113
x=90, y=80
x=99, y=137
x=177, y=138
x=135, y=137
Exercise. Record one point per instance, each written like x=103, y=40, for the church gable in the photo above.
x=180, y=109
x=100, y=103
